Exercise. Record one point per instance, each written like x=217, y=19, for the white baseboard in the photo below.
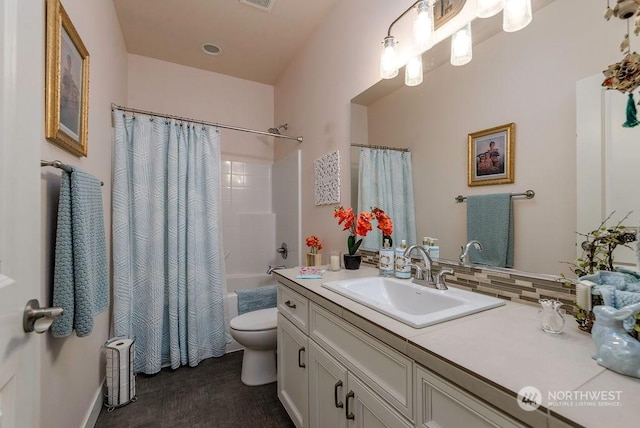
x=92, y=415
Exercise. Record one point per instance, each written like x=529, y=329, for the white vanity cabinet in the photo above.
x=332, y=374
x=293, y=354
x=327, y=389
x=365, y=408
x=444, y=405
x=293, y=378
x=338, y=399
x=383, y=369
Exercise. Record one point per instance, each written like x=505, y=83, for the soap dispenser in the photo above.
x=429, y=245
x=386, y=259
x=403, y=264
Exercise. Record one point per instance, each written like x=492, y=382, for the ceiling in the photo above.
x=256, y=45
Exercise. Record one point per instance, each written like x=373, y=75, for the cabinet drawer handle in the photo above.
x=349, y=414
x=339, y=404
x=300, y=363
x=289, y=304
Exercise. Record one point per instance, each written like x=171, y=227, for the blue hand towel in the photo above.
x=490, y=221
x=81, y=274
x=253, y=299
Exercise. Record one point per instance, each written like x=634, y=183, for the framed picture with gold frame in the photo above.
x=67, y=83
x=491, y=155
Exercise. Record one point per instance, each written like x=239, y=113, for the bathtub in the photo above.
x=241, y=282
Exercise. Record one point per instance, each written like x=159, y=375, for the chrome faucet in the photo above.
x=272, y=268
x=422, y=276
x=465, y=249
x=440, y=282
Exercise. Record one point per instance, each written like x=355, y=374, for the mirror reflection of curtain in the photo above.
x=385, y=181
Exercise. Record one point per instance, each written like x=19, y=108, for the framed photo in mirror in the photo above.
x=491, y=156
x=444, y=10
x=67, y=83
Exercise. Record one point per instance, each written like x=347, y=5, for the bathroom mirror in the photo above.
x=608, y=161
x=528, y=78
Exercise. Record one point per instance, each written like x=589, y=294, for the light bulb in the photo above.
x=488, y=8
x=516, y=15
x=413, y=71
x=388, y=59
x=423, y=24
x=462, y=46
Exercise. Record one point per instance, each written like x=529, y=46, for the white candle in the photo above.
x=335, y=262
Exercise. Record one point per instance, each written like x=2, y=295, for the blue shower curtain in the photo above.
x=385, y=181
x=168, y=260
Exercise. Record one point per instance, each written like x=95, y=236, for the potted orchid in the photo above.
x=360, y=226
x=313, y=257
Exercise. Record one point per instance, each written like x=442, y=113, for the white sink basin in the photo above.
x=412, y=304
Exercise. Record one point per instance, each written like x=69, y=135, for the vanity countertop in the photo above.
x=506, y=347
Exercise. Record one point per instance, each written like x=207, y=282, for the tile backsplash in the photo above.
x=513, y=285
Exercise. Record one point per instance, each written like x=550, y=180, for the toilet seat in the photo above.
x=260, y=320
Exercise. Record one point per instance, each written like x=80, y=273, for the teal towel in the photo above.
x=253, y=299
x=81, y=274
x=490, y=221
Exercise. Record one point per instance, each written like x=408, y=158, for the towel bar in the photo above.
x=528, y=194
x=60, y=165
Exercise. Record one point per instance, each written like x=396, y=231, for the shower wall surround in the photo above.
x=248, y=221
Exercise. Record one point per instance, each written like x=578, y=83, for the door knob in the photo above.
x=33, y=312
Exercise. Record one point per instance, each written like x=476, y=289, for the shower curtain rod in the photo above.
x=399, y=149
x=202, y=122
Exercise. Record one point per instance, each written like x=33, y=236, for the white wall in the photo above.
x=314, y=94
x=248, y=222
x=72, y=369
x=168, y=88
x=526, y=77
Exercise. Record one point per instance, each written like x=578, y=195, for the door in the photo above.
x=21, y=130
x=293, y=378
x=327, y=388
x=365, y=409
x=285, y=195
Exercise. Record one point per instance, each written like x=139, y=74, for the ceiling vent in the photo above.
x=265, y=5
x=211, y=49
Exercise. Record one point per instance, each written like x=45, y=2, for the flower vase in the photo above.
x=352, y=261
x=314, y=259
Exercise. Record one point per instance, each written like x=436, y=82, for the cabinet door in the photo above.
x=365, y=409
x=442, y=404
x=293, y=380
x=327, y=388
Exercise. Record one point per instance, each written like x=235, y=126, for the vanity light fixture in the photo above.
x=413, y=71
x=422, y=31
x=423, y=24
x=462, y=46
x=389, y=59
x=489, y=8
x=516, y=15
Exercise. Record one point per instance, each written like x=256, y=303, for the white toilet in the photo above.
x=256, y=331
